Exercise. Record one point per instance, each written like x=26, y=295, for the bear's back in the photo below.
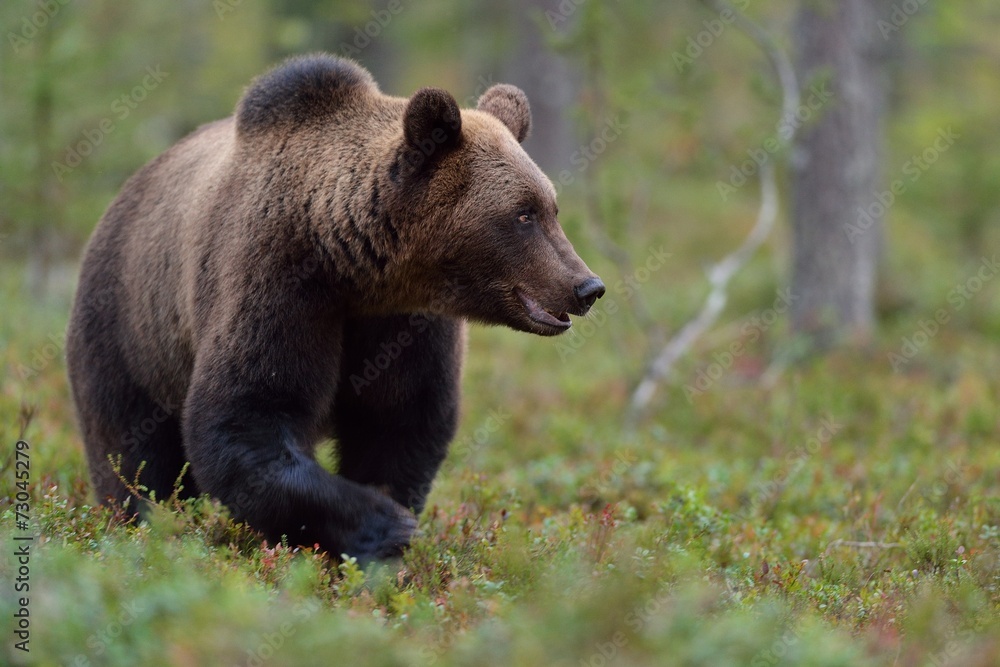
x=143, y=257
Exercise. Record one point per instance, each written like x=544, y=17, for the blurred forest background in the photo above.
x=90, y=91
x=770, y=495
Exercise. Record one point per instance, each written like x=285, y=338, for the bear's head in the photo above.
x=485, y=215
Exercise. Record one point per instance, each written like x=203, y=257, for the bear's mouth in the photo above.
x=559, y=321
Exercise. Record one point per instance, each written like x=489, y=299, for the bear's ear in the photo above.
x=432, y=126
x=510, y=105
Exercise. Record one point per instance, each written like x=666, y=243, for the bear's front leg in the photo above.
x=249, y=421
x=398, y=401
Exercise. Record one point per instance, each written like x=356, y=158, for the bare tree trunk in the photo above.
x=836, y=170
x=550, y=83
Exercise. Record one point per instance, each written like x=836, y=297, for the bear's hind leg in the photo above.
x=118, y=418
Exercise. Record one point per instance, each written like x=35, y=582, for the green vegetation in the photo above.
x=773, y=510
x=846, y=515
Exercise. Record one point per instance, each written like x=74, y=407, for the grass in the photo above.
x=845, y=514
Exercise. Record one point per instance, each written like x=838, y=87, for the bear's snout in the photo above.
x=587, y=292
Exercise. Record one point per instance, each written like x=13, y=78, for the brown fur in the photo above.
x=248, y=272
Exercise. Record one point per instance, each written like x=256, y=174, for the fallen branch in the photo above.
x=721, y=273
x=861, y=545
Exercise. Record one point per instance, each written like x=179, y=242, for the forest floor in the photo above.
x=845, y=511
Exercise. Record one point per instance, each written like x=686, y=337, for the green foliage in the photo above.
x=715, y=536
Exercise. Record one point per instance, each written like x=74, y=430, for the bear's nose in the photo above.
x=589, y=291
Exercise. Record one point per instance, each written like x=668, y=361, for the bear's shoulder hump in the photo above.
x=300, y=90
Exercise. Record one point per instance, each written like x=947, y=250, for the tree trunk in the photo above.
x=549, y=81
x=836, y=170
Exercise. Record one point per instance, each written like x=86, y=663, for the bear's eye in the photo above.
x=526, y=218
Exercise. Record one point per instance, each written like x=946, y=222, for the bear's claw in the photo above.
x=384, y=531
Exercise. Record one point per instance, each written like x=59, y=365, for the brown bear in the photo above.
x=302, y=271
